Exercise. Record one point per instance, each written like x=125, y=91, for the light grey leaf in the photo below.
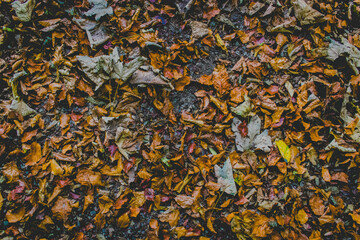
x=21, y=107
x=225, y=178
x=23, y=10
x=99, y=9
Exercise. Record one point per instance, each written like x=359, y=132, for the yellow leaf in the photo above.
x=302, y=216
x=124, y=221
x=14, y=216
x=210, y=225
x=355, y=217
x=284, y=150
x=55, y=168
x=220, y=42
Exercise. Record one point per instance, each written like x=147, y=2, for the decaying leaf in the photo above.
x=11, y=171
x=89, y=178
x=34, y=154
x=317, y=205
x=15, y=215
x=148, y=77
x=24, y=9
x=21, y=108
x=346, y=50
x=198, y=30
x=105, y=67
x=302, y=216
x=348, y=119
x=171, y=215
x=254, y=138
x=127, y=142
x=184, y=201
x=62, y=208
x=123, y=221
x=244, y=109
x=99, y=9
x=225, y=177
x=306, y=14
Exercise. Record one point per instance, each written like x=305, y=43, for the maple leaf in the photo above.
x=255, y=139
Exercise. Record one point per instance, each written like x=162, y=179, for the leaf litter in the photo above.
x=179, y=119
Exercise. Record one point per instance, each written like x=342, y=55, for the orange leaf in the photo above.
x=123, y=221
x=89, y=178
x=62, y=208
x=221, y=80
x=34, y=154
x=29, y=135
x=340, y=176
x=317, y=205
x=209, y=224
x=16, y=215
x=325, y=175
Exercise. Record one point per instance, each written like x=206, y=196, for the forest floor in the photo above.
x=184, y=119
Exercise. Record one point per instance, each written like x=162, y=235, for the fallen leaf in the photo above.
x=105, y=67
x=34, y=155
x=23, y=9
x=89, y=178
x=225, y=178
x=11, y=172
x=254, y=139
x=198, y=30
x=15, y=215
x=317, y=205
x=306, y=14
x=184, y=201
x=62, y=208
x=302, y=216
x=284, y=150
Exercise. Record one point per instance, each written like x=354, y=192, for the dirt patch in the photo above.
x=185, y=100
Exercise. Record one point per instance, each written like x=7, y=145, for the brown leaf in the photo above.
x=64, y=120
x=11, y=172
x=221, y=80
x=184, y=201
x=147, y=77
x=261, y=227
x=29, y=135
x=138, y=200
x=89, y=178
x=34, y=154
x=325, y=175
x=317, y=205
x=171, y=216
x=340, y=176
x=62, y=208
x=1, y=201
